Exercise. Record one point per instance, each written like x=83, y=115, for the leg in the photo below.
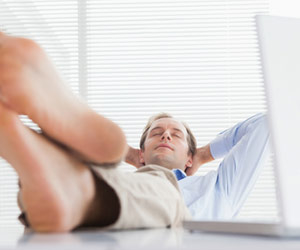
x=58, y=191
x=148, y=198
x=30, y=85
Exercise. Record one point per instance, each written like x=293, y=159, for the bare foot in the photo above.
x=56, y=189
x=30, y=85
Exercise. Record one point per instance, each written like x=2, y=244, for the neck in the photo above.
x=166, y=164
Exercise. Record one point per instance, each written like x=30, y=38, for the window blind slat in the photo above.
x=198, y=60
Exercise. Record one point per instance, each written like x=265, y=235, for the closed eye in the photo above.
x=156, y=134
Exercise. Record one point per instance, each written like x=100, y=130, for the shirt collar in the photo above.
x=179, y=174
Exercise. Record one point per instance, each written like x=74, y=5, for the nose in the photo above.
x=166, y=136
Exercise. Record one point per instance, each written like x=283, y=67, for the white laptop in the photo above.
x=279, y=40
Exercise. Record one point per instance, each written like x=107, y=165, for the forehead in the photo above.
x=168, y=123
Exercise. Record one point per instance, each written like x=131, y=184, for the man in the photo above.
x=62, y=188
x=219, y=194
x=65, y=173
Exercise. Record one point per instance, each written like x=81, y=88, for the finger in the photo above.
x=190, y=171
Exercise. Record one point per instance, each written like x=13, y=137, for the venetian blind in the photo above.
x=54, y=25
x=198, y=60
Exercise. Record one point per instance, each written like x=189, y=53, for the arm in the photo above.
x=245, y=147
x=133, y=157
x=203, y=155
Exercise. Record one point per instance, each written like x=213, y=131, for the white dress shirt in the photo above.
x=220, y=194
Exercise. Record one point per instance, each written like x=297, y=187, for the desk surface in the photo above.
x=176, y=238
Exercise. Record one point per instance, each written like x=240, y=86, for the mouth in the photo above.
x=164, y=146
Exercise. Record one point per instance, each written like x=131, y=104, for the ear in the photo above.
x=189, y=162
x=141, y=154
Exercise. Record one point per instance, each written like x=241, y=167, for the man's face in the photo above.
x=166, y=145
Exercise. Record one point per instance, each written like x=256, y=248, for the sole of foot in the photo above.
x=30, y=85
x=53, y=183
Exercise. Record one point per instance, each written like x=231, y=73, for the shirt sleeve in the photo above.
x=218, y=147
x=244, y=148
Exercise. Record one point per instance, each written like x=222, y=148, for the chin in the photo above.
x=163, y=161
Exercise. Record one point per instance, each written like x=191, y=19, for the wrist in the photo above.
x=129, y=156
x=206, y=154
